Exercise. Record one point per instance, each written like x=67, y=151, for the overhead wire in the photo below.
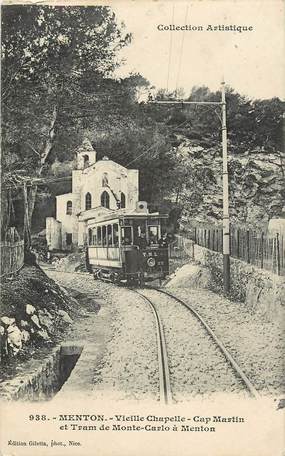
x=170, y=51
x=181, y=49
x=143, y=153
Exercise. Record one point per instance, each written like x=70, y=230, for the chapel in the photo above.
x=98, y=187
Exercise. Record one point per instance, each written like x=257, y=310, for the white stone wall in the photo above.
x=119, y=179
x=53, y=234
x=82, y=233
x=69, y=222
x=76, y=180
x=132, y=190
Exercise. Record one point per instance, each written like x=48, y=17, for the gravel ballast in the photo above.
x=197, y=366
x=255, y=343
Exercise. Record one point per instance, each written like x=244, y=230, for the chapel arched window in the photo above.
x=105, y=200
x=86, y=160
x=88, y=201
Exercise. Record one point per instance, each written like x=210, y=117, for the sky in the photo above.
x=252, y=62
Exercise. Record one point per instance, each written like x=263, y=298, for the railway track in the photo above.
x=166, y=388
x=164, y=374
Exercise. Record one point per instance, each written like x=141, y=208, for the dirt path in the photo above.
x=119, y=359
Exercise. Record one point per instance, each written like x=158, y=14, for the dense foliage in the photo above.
x=58, y=88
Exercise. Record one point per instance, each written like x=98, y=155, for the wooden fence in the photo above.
x=12, y=257
x=265, y=252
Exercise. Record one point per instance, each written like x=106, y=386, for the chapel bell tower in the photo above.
x=86, y=155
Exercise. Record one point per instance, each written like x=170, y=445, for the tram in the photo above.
x=127, y=247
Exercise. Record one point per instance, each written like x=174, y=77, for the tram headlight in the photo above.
x=151, y=262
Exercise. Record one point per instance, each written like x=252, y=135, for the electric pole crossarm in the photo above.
x=187, y=102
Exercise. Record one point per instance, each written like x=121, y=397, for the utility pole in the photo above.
x=226, y=219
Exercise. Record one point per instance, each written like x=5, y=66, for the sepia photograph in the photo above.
x=142, y=228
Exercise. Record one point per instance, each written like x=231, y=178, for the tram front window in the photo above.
x=127, y=235
x=140, y=234
x=153, y=234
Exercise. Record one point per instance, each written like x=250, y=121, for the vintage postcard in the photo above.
x=142, y=228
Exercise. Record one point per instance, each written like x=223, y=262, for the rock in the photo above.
x=63, y=290
x=65, y=317
x=191, y=276
x=46, y=320
x=25, y=336
x=14, y=338
x=30, y=310
x=43, y=335
x=8, y=321
x=24, y=324
x=35, y=320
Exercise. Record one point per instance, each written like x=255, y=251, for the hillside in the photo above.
x=256, y=184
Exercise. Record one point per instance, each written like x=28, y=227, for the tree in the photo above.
x=47, y=52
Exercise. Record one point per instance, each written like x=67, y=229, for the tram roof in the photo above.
x=132, y=216
x=127, y=215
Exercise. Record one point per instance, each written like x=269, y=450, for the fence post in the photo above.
x=278, y=253
x=282, y=253
x=247, y=246
x=195, y=235
x=238, y=243
x=261, y=250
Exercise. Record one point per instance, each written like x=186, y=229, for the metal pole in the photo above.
x=226, y=220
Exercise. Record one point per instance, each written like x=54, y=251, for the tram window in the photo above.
x=116, y=234
x=109, y=235
x=89, y=236
x=139, y=232
x=94, y=236
x=153, y=234
x=104, y=235
x=127, y=235
x=99, y=235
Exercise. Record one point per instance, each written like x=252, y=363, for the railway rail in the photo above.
x=165, y=392
x=165, y=382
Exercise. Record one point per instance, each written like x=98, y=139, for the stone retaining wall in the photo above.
x=262, y=291
x=38, y=382
x=40, y=379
